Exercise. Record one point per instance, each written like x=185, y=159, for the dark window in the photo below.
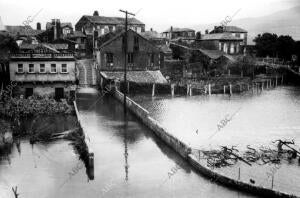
x=31, y=68
x=42, y=68
x=59, y=93
x=136, y=43
x=28, y=92
x=53, y=68
x=64, y=68
x=82, y=40
x=20, y=68
x=130, y=58
x=151, y=59
x=110, y=59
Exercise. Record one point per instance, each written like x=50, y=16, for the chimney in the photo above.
x=53, y=23
x=38, y=26
x=96, y=13
x=171, y=32
x=56, y=28
x=206, y=31
x=151, y=29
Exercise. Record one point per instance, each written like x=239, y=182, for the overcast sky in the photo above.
x=158, y=14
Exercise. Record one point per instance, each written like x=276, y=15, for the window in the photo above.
x=151, y=59
x=64, y=68
x=130, y=58
x=111, y=28
x=110, y=59
x=53, y=68
x=20, y=68
x=31, y=68
x=136, y=43
x=42, y=68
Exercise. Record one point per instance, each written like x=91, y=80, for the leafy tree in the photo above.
x=266, y=45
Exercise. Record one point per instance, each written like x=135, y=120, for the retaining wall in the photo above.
x=144, y=116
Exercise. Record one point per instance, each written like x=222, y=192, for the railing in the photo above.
x=42, y=55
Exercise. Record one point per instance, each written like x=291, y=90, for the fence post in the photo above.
x=224, y=89
x=230, y=89
x=153, y=90
x=272, y=181
x=209, y=89
x=239, y=174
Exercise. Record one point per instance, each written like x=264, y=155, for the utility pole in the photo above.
x=125, y=50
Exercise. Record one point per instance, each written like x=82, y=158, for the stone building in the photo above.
x=43, y=69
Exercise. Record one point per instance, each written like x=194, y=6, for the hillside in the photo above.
x=285, y=22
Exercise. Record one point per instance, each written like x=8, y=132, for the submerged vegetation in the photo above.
x=20, y=107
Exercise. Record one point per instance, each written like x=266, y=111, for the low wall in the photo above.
x=236, y=184
x=86, y=138
x=144, y=116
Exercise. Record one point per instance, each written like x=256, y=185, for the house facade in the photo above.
x=235, y=32
x=174, y=33
x=102, y=24
x=144, y=60
x=43, y=71
x=142, y=54
x=224, y=42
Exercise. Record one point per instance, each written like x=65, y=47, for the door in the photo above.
x=28, y=92
x=59, y=93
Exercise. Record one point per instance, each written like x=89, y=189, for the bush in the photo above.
x=20, y=107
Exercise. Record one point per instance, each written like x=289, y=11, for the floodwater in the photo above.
x=129, y=161
x=251, y=118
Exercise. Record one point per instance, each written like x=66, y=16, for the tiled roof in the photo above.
x=22, y=30
x=120, y=34
x=112, y=20
x=234, y=29
x=76, y=34
x=52, y=47
x=147, y=77
x=215, y=54
x=49, y=25
x=220, y=36
x=175, y=29
x=151, y=35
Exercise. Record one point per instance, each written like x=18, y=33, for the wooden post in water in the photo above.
x=172, y=89
x=230, y=89
x=240, y=85
x=276, y=82
x=187, y=89
x=191, y=90
x=239, y=174
x=127, y=87
x=209, y=89
x=282, y=80
x=268, y=83
x=262, y=85
x=153, y=90
x=272, y=181
x=224, y=89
